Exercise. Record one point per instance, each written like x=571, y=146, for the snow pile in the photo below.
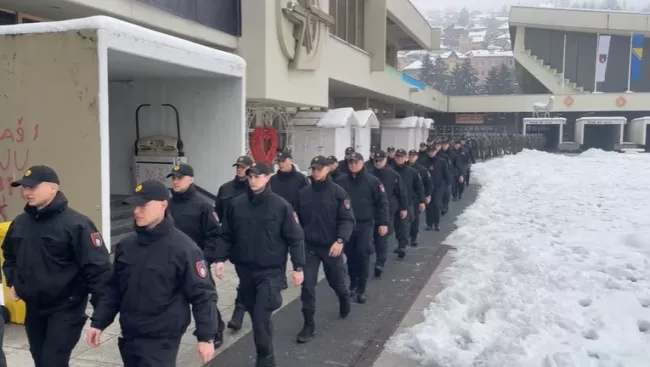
x=552, y=268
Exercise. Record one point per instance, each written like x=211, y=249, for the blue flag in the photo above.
x=636, y=58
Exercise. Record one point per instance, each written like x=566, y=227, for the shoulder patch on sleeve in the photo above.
x=346, y=204
x=295, y=218
x=381, y=188
x=201, y=269
x=215, y=216
x=96, y=239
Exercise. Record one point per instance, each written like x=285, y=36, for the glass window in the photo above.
x=7, y=18
x=361, y=17
x=349, y=16
x=341, y=18
x=351, y=31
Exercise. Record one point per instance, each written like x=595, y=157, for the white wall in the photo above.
x=211, y=120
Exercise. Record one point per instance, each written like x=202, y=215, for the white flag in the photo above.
x=601, y=57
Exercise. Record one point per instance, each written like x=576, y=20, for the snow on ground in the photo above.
x=552, y=268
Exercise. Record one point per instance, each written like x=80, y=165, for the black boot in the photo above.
x=237, y=317
x=437, y=228
x=361, y=297
x=400, y=253
x=309, y=328
x=379, y=268
x=353, y=291
x=344, y=306
x=265, y=361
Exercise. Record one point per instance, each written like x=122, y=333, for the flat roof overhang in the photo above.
x=581, y=20
x=409, y=28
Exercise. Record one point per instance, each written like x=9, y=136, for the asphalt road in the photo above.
x=358, y=340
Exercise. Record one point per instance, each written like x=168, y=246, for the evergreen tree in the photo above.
x=463, y=17
x=463, y=80
x=427, y=74
x=499, y=81
x=434, y=73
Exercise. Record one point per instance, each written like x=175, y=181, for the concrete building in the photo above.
x=484, y=60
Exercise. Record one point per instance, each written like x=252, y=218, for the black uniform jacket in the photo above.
x=157, y=274
x=368, y=197
x=325, y=213
x=259, y=229
x=196, y=218
x=55, y=256
x=463, y=160
x=427, y=184
x=395, y=189
x=288, y=185
x=412, y=181
x=439, y=170
x=227, y=192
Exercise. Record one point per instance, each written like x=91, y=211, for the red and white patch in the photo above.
x=215, y=216
x=96, y=239
x=381, y=188
x=346, y=204
x=295, y=217
x=201, y=269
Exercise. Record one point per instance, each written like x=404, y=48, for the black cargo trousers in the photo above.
x=435, y=206
x=335, y=273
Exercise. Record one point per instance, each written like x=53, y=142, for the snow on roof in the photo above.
x=415, y=65
x=505, y=36
x=489, y=53
x=336, y=118
x=478, y=39
x=448, y=54
x=504, y=26
x=477, y=34
x=367, y=118
x=403, y=123
x=121, y=27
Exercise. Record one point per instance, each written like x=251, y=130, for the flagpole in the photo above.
x=629, y=64
x=596, y=64
x=564, y=64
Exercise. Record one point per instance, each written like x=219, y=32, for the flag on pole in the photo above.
x=601, y=57
x=636, y=56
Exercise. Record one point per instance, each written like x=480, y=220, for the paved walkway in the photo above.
x=357, y=341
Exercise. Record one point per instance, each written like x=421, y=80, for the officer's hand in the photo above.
x=461, y=179
x=94, y=337
x=336, y=249
x=218, y=269
x=427, y=199
x=382, y=230
x=421, y=207
x=403, y=214
x=298, y=277
x=14, y=295
x=205, y=351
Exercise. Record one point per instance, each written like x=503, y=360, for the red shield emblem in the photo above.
x=346, y=204
x=96, y=239
x=381, y=188
x=215, y=217
x=295, y=218
x=201, y=269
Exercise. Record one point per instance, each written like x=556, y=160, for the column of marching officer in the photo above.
x=338, y=216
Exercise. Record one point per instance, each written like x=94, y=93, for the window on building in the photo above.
x=349, y=16
x=8, y=18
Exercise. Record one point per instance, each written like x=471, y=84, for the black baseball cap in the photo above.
x=281, y=156
x=445, y=141
x=413, y=152
x=356, y=157
x=36, y=175
x=390, y=149
x=400, y=152
x=423, y=144
x=319, y=162
x=332, y=159
x=258, y=168
x=373, y=148
x=244, y=161
x=457, y=142
x=150, y=190
x=349, y=150
x=181, y=170
x=379, y=155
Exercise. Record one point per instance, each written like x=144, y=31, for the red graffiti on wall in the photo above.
x=15, y=142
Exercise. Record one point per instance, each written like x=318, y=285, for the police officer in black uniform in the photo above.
x=327, y=220
x=334, y=167
x=446, y=154
x=258, y=230
x=287, y=182
x=462, y=161
x=370, y=205
x=427, y=185
x=196, y=218
x=390, y=152
x=370, y=163
x=397, y=195
x=158, y=273
x=343, y=164
x=227, y=192
x=468, y=144
x=413, y=184
x=441, y=179
x=54, y=256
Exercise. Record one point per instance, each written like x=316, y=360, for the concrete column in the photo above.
x=375, y=33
